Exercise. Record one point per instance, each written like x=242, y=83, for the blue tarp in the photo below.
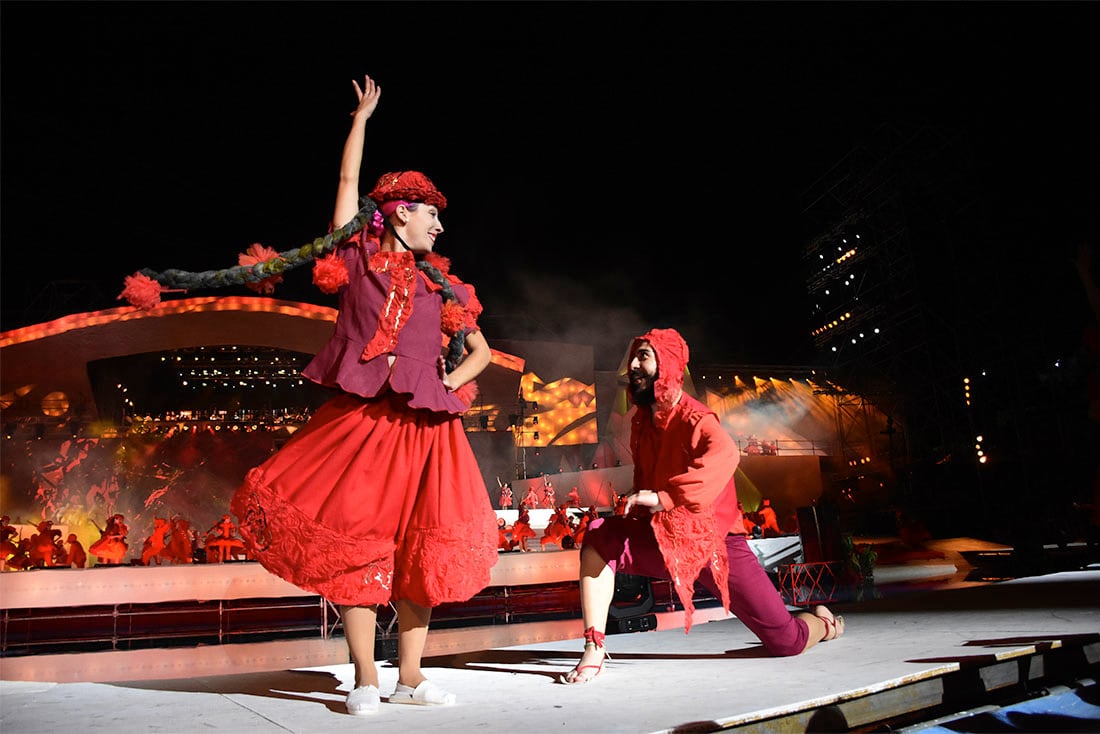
x=1071, y=711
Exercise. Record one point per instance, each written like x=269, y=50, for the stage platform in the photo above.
x=915, y=655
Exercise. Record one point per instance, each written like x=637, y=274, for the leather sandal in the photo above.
x=594, y=639
x=833, y=627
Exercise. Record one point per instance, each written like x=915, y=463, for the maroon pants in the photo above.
x=628, y=545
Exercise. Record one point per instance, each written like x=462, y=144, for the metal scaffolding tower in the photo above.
x=882, y=271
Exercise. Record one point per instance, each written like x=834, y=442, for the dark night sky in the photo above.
x=610, y=166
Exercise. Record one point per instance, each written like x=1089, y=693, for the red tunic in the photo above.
x=689, y=463
x=389, y=307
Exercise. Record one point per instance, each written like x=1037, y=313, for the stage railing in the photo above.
x=755, y=446
x=127, y=608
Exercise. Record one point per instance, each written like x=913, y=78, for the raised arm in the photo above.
x=347, y=192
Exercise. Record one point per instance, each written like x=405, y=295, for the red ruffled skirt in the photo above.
x=370, y=502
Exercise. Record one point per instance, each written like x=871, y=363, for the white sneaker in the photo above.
x=364, y=701
x=425, y=694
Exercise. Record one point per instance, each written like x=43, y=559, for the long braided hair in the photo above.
x=143, y=289
x=457, y=343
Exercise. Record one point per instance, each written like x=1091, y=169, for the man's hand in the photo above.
x=645, y=499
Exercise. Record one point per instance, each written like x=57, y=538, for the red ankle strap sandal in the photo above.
x=579, y=674
x=832, y=631
x=592, y=637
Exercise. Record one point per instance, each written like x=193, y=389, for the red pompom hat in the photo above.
x=407, y=186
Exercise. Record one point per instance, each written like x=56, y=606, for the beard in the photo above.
x=645, y=395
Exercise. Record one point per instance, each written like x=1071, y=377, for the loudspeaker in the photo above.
x=643, y=623
x=633, y=596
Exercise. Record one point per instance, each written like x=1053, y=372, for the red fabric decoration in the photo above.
x=689, y=542
x=473, y=309
x=453, y=318
x=141, y=291
x=402, y=271
x=430, y=284
x=407, y=185
x=255, y=254
x=440, y=263
x=330, y=273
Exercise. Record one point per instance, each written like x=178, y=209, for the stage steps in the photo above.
x=983, y=685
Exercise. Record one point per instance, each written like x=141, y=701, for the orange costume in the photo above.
x=582, y=525
x=504, y=533
x=548, y=498
x=45, y=544
x=558, y=529
x=769, y=522
x=78, y=557
x=531, y=500
x=8, y=548
x=522, y=530
x=222, y=542
x=153, y=547
x=112, y=546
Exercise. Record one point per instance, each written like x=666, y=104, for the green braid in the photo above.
x=458, y=340
x=288, y=260
x=291, y=259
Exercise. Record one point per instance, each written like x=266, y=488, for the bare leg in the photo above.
x=359, y=632
x=823, y=624
x=412, y=635
x=597, y=591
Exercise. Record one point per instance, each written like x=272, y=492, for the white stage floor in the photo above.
x=897, y=652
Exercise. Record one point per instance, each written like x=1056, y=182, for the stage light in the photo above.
x=9, y=430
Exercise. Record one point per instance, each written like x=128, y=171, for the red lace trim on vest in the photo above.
x=401, y=268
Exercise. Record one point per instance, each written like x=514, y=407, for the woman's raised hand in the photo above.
x=368, y=95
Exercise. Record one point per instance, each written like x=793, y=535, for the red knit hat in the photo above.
x=407, y=186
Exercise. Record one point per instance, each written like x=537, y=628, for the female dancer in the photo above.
x=379, y=498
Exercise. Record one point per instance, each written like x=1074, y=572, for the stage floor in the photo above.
x=899, y=653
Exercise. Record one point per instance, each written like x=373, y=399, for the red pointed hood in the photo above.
x=672, y=359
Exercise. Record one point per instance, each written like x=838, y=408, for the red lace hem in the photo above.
x=438, y=565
